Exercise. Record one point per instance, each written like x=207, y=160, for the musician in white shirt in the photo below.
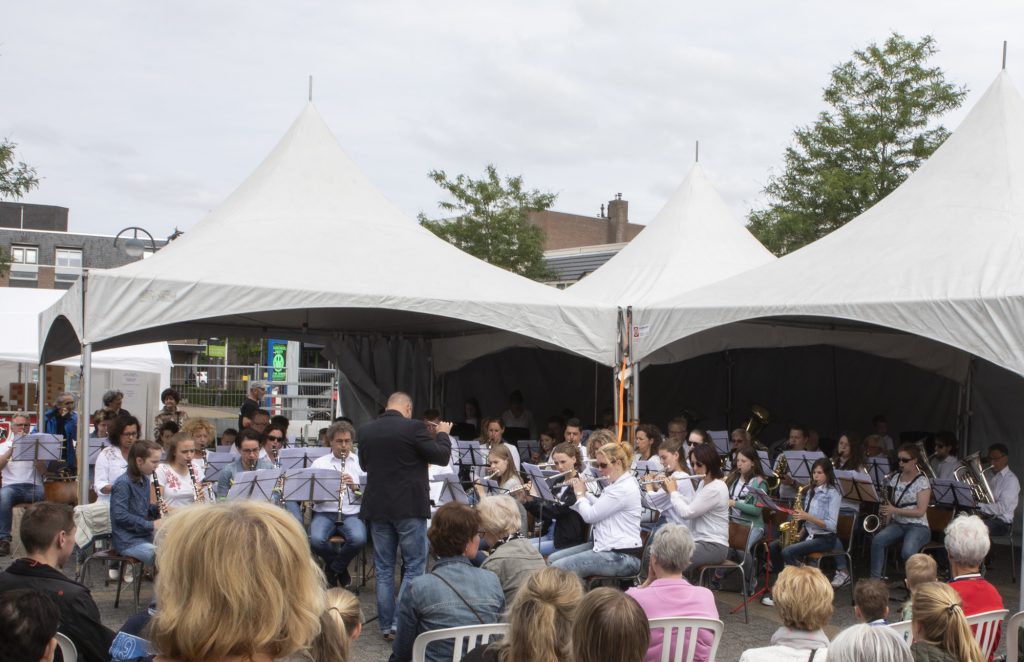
x=22, y=480
x=708, y=509
x=944, y=462
x=175, y=474
x=1006, y=490
x=112, y=462
x=615, y=517
x=670, y=453
x=329, y=518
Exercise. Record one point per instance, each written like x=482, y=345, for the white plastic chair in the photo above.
x=67, y=648
x=466, y=638
x=684, y=641
x=986, y=630
x=904, y=630
x=1012, y=633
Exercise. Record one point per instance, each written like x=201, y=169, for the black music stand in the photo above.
x=878, y=468
x=313, y=484
x=766, y=464
x=254, y=485
x=954, y=494
x=527, y=447
x=645, y=468
x=856, y=486
x=451, y=489
x=767, y=504
x=96, y=444
x=539, y=478
x=291, y=459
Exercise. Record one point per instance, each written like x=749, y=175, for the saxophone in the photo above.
x=790, y=531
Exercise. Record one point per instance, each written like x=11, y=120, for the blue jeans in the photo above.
x=822, y=543
x=409, y=534
x=585, y=562
x=996, y=526
x=914, y=536
x=10, y=496
x=324, y=526
x=143, y=551
x=546, y=543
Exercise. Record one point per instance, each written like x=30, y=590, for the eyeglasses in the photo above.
x=129, y=434
x=602, y=465
x=251, y=451
x=904, y=460
x=21, y=425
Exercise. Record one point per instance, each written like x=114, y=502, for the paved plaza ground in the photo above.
x=738, y=637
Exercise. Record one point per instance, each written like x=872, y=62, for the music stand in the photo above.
x=38, y=447
x=766, y=465
x=451, y=489
x=312, y=484
x=256, y=485
x=291, y=459
x=953, y=493
x=537, y=476
x=800, y=463
x=645, y=468
x=878, y=469
x=721, y=440
x=215, y=463
x=856, y=486
x=527, y=447
x=96, y=444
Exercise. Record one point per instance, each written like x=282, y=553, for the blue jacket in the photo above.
x=67, y=427
x=131, y=513
x=430, y=604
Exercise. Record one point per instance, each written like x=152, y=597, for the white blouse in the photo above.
x=110, y=464
x=615, y=515
x=177, y=489
x=708, y=511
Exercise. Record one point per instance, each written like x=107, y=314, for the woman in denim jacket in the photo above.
x=454, y=593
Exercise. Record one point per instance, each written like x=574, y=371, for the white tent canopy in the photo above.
x=348, y=261
x=692, y=241
x=942, y=257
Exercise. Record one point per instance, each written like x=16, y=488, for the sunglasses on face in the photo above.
x=602, y=465
x=904, y=460
x=275, y=437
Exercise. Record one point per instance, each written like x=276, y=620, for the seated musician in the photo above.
x=797, y=441
x=248, y=443
x=501, y=466
x=492, y=435
x=342, y=516
x=1006, y=490
x=177, y=473
x=967, y=545
x=134, y=517
x=615, y=517
x=906, y=509
x=944, y=462
x=819, y=513
x=22, y=480
x=565, y=527
x=670, y=452
x=708, y=509
x=849, y=453
x=648, y=440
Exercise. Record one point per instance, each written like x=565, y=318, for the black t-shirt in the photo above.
x=248, y=410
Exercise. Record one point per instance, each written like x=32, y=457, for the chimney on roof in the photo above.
x=618, y=217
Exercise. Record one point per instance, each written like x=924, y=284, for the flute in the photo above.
x=655, y=481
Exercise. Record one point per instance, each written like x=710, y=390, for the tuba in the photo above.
x=971, y=472
x=759, y=418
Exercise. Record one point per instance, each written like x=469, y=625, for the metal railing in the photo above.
x=312, y=397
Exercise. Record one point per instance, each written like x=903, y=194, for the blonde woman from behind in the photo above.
x=941, y=633
x=803, y=598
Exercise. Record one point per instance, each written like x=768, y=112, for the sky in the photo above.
x=151, y=113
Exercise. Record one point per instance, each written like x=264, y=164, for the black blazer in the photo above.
x=571, y=529
x=394, y=451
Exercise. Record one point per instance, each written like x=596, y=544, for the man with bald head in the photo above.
x=395, y=451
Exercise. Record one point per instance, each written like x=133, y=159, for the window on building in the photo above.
x=24, y=255
x=69, y=257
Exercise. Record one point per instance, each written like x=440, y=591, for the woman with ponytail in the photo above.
x=539, y=617
x=941, y=633
x=615, y=517
x=340, y=625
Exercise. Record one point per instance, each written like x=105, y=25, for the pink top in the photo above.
x=666, y=598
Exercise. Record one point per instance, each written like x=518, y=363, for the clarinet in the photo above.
x=161, y=505
x=197, y=491
x=340, y=518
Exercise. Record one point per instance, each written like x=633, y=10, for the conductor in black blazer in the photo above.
x=394, y=451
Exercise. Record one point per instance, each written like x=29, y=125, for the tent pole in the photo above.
x=83, y=425
x=636, y=395
x=41, y=397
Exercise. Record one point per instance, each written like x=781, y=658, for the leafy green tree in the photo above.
x=16, y=179
x=490, y=220
x=880, y=127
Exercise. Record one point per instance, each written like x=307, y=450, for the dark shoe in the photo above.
x=5, y=547
x=332, y=577
x=389, y=636
x=344, y=579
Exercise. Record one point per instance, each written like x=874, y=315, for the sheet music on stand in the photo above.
x=765, y=501
x=721, y=439
x=38, y=447
x=856, y=486
x=215, y=463
x=96, y=444
x=254, y=485
x=647, y=467
x=800, y=463
x=451, y=489
x=312, y=484
x=527, y=447
x=291, y=459
x=953, y=493
x=766, y=465
x=878, y=468
x=539, y=477
x=472, y=455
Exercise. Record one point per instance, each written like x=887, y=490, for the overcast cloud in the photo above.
x=151, y=113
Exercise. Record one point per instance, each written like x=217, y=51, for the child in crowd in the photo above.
x=920, y=569
x=871, y=601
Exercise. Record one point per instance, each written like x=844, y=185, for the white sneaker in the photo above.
x=113, y=574
x=841, y=579
x=129, y=574
x=767, y=601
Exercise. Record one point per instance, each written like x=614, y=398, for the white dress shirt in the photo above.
x=707, y=510
x=110, y=465
x=1006, y=489
x=351, y=467
x=18, y=472
x=615, y=515
x=945, y=467
x=662, y=500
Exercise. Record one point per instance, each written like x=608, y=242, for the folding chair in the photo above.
x=464, y=638
x=67, y=647
x=110, y=556
x=686, y=632
x=904, y=630
x=844, y=528
x=739, y=541
x=1009, y=539
x=1013, y=625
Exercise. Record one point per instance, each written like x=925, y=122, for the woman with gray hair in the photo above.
x=667, y=593
x=112, y=402
x=967, y=544
x=513, y=558
x=868, y=643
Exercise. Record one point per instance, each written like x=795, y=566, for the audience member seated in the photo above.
x=215, y=605
x=1006, y=490
x=340, y=625
x=133, y=519
x=941, y=633
x=454, y=593
x=967, y=544
x=610, y=625
x=28, y=620
x=865, y=643
x=920, y=569
x=803, y=598
x=48, y=534
x=565, y=527
x=540, y=616
x=615, y=517
x=871, y=601
x=512, y=557
x=666, y=593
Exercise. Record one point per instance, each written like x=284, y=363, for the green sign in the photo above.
x=278, y=351
x=215, y=351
